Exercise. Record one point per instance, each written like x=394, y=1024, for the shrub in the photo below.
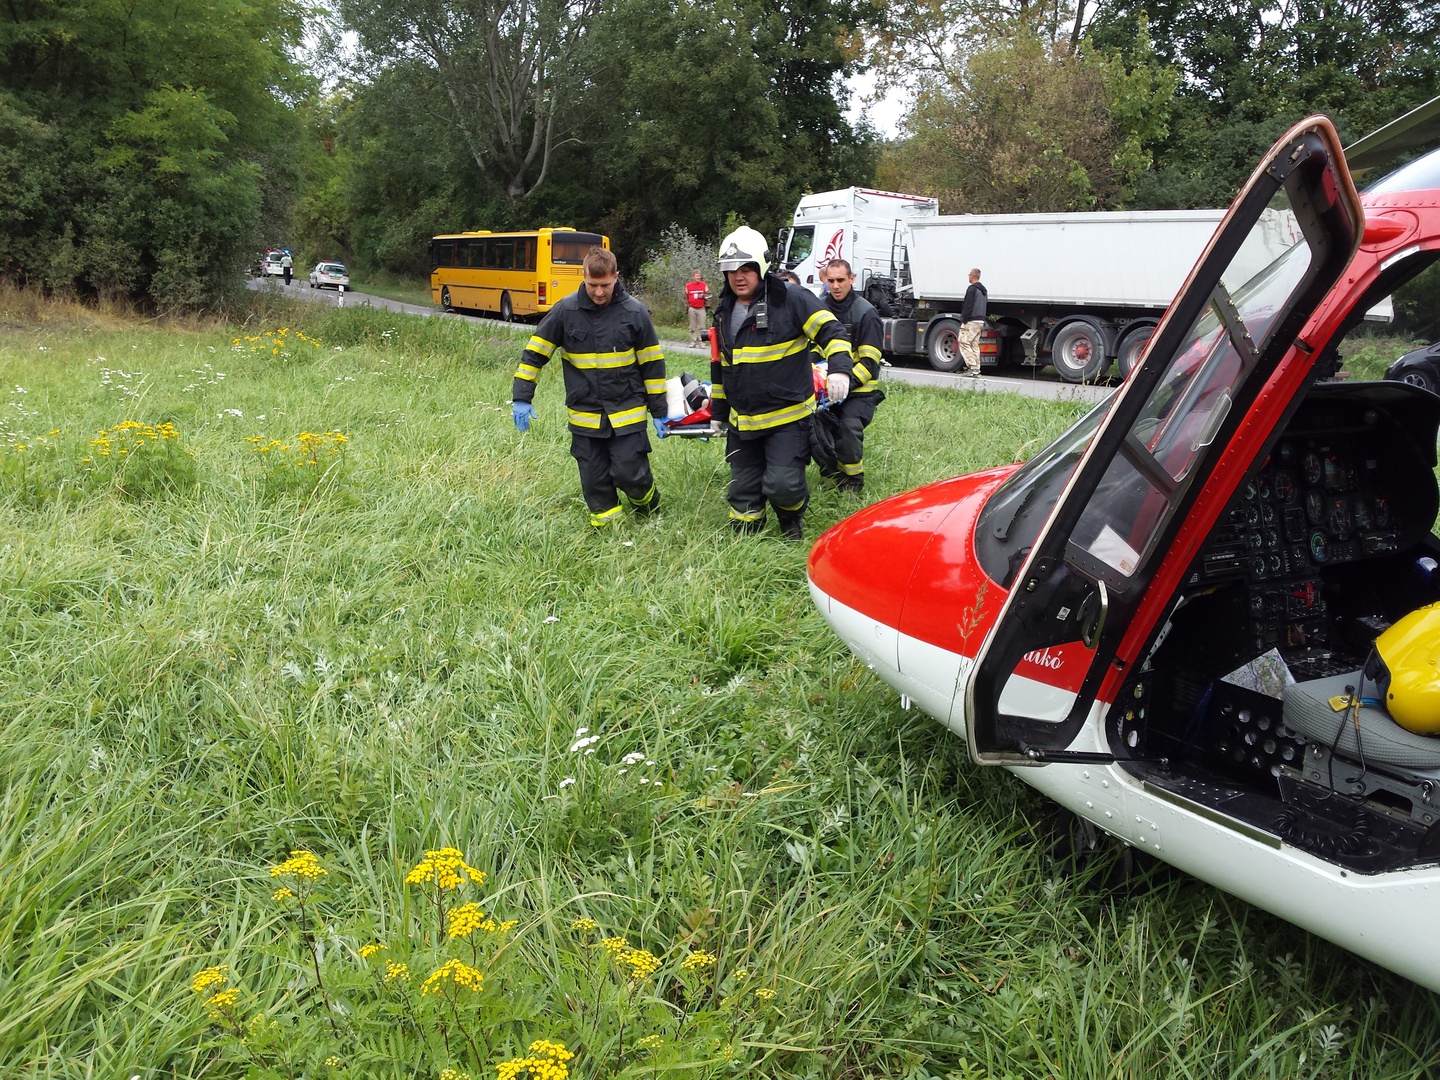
x=663, y=277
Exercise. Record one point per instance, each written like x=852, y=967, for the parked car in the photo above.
x=1418, y=367
x=329, y=273
x=270, y=263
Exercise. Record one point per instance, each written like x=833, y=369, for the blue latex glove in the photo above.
x=660, y=429
x=523, y=412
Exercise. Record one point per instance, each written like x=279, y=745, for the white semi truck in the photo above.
x=1076, y=290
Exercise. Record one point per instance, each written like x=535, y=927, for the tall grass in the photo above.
x=392, y=651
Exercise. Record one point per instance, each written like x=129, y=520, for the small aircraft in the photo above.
x=1167, y=621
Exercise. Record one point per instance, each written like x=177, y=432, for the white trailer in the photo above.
x=1077, y=290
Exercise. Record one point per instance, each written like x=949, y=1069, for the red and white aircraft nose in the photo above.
x=900, y=584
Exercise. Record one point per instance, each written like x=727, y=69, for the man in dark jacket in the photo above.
x=763, y=384
x=839, y=431
x=614, y=371
x=972, y=321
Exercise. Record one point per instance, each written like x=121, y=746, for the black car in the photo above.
x=1419, y=367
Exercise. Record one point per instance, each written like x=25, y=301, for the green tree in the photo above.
x=151, y=129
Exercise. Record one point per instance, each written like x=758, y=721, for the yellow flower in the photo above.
x=396, y=971
x=210, y=977
x=547, y=1061
x=282, y=894
x=697, y=961
x=651, y=1042
x=301, y=864
x=452, y=1074
x=615, y=945
x=225, y=999
x=640, y=963
x=466, y=919
x=367, y=951
x=583, y=926
x=765, y=994
x=335, y=1061
x=446, y=867
x=458, y=972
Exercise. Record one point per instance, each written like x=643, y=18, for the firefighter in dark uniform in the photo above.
x=763, y=385
x=839, y=435
x=614, y=375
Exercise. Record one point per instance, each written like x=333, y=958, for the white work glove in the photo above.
x=837, y=388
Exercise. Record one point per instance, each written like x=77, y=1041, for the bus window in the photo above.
x=568, y=249
x=504, y=254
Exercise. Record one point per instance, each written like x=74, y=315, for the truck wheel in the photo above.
x=1078, y=351
x=1132, y=348
x=942, y=345
x=507, y=313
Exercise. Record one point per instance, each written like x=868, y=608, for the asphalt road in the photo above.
x=1027, y=384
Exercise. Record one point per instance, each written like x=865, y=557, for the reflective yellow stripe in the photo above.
x=790, y=509
x=528, y=372
x=870, y=354
x=605, y=517
x=649, y=496
x=761, y=421
x=601, y=359
x=819, y=319
x=865, y=388
x=539, y=345
x=858, y=469
x=584, y=419
x=717, y=393
x=836, y=345
x=654, y=386
x=628, y=417
x=766, y=354
x=750, y=515
x=649, y=353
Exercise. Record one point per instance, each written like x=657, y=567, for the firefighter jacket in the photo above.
x=614, y=369
x=763, y=379
x=862, y=325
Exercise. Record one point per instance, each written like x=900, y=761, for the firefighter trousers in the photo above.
x=837, y=440
x=769, y=467
x=610, y=462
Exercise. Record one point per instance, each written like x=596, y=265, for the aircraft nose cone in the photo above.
x=866, y=561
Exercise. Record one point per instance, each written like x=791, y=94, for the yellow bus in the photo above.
x=512, y=274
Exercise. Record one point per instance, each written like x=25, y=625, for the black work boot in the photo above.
x=851, y=485
x=792, y=526
x=746, y=528
x=650, y=506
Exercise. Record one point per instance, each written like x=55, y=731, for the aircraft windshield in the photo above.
x=1422, y=174
x=1177, y=422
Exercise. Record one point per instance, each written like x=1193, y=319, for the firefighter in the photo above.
x=614, y=373
x=840, y=429
x=763, y=387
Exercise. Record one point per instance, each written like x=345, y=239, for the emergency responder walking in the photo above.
x=614, y=369
x=763, y=385
x=839, y=431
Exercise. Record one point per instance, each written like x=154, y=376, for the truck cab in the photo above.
x=865, y=227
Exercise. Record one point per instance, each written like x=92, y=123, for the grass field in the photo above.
x=329, y=601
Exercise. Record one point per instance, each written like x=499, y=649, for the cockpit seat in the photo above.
x=1307, y=710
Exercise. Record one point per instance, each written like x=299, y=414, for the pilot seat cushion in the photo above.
x=1307, y=710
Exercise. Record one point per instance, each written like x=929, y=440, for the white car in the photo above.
x=329, y=273
x=270, y=263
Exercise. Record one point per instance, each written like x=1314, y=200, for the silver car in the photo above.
x=329, y=273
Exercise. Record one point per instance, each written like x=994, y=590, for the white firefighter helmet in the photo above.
x=742, y=246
